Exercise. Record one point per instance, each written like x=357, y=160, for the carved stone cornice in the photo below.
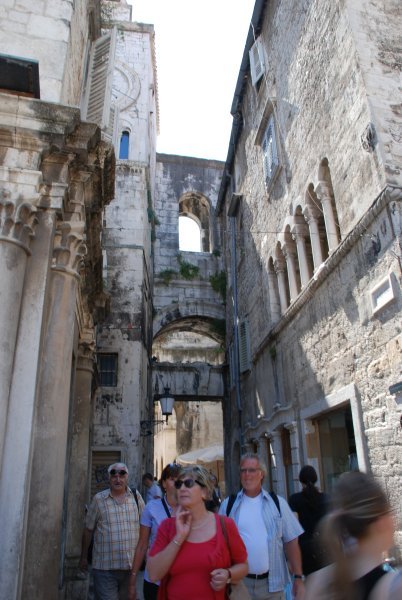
x=17, y=221
x=69, y=249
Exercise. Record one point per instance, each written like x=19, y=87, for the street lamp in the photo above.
x=166, y=401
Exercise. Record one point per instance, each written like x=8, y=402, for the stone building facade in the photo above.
x=311, y=201
x=57, y=175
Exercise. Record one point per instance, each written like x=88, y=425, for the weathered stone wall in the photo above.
x=55, y=33
x=331, y=71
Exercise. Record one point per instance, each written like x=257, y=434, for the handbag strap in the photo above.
x=165, y=506
x=224, y=531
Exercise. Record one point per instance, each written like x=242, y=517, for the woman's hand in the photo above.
x=219, y=579
x=183, y=523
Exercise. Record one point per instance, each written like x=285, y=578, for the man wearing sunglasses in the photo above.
x=113, y=521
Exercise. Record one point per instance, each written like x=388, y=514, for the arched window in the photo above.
x=124, y=144
x=189, y=235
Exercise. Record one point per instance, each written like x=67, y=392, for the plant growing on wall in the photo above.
x=167, y=275
x=218, y=284
x=186, y=269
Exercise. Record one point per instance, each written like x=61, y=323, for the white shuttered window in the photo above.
x=97, y=103
x=257, y=62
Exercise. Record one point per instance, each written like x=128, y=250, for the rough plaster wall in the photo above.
x=200, y=425
x=41, y=31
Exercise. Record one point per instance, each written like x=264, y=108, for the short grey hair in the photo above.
x=200, y=474
x=254, y=456
x=118, y=465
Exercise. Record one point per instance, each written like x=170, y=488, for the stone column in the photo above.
x=299, y=234
x=274, y=300
x=277, y=458
x=312, y=221
x=45, y=510
x=17, y=223
x=78, y=481
x=279, y=267
x=324, y=194
x=290, y=257
x=294, y=447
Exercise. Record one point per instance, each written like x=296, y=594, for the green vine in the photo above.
x=187, y=270
x=218, y=284
x=167, y=275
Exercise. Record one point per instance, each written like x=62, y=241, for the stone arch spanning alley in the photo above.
x=309, y=235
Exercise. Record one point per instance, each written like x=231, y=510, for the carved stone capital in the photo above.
x=18, y=220
x=69, y=249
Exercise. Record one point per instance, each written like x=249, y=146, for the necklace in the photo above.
x=201, y=524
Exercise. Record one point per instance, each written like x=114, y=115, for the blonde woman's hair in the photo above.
x=358, y=500
x=199, y=474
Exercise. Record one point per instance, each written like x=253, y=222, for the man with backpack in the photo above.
x=270, y=532
x=113, y=520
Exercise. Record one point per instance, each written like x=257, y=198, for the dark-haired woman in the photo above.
x=358, y=530
x=152, y=516
x=310, y=505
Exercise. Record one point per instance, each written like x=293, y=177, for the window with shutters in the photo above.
x=97, y=103
x=257, y=61
x=270, y=152
x=244, y=347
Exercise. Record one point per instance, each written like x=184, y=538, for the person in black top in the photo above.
x=310, y=505
x=359, y=529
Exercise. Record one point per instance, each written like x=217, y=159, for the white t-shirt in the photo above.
x=254, y=534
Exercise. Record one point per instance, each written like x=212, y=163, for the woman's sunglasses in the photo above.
x=189, y=483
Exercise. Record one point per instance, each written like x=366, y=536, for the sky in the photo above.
x=199, y=47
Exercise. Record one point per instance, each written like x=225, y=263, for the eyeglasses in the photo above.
x=243, y=471
x=189, y=483
x=113, y=473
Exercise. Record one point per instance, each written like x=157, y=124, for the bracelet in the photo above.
x=299, y=577
x=177, y=543
x=230, y=576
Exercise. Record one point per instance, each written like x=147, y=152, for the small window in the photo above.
x=19, y=76
x=270, y=151
x=244, y=347
x=107, y=365
x=124, y=144
x=257, y=63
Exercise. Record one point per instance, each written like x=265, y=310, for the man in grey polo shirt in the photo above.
x=270, y=532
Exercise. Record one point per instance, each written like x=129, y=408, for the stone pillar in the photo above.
x=17, y=223
x=324, y=194
x=78, y=481
x=45, y=510
x=312, y=221
x=280, y=273
x=274, y=300
x=294, y=447
x=277, y=459
x=22, y=399
x=299, y=234
x=290, y=257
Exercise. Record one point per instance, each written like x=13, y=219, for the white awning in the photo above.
x=202, y=455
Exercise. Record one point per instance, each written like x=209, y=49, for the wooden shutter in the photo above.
x=244, y=346
x=110, y=134
x=99, y=89
x=257, y=63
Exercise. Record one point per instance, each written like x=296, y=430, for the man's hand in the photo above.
x=298, y=589
x=132, y=589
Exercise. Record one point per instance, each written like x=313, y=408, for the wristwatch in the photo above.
x=297, y=576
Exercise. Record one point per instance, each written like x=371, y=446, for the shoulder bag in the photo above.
x=235, y=591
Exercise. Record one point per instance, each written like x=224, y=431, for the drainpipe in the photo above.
x=236, y=369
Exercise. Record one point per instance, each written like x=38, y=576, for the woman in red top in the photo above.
x=190, y=554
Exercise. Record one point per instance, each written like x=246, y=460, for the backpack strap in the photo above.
x=233, y=497
x=135, y=497
x=276, y=500
x=230, y=503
